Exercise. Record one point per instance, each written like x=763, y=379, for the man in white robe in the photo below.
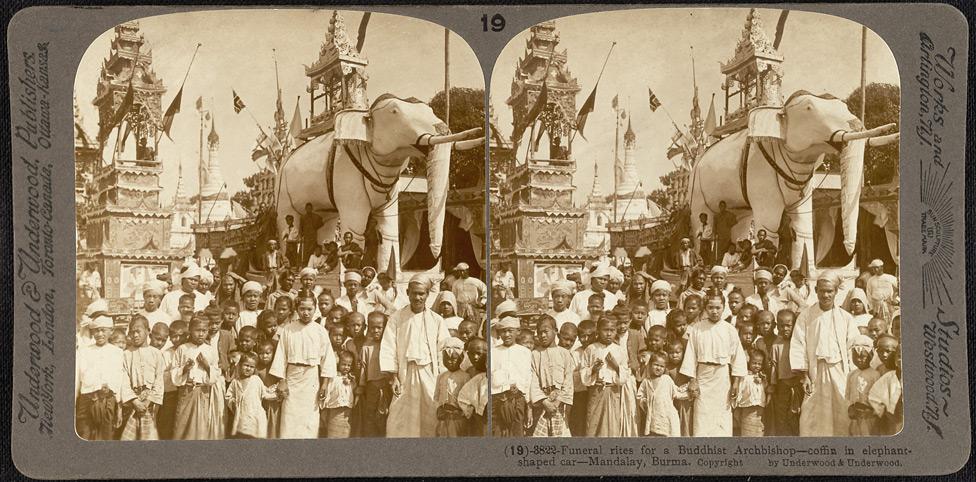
x=305, y=364
x=820, y=353
x=882, y=291
x=409, y=353
x=763, y=298
x=354, y=299
x=598, y=284
x=188, y=285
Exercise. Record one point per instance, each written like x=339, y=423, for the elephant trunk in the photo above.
x=852, y=179
x=438, y=173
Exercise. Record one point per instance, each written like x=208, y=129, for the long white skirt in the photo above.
x=713, y=413
x=414, y=412
x=300, y=411
x=824, y=412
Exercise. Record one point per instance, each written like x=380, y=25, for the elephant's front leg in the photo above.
x=801, y=220
x=388, y=224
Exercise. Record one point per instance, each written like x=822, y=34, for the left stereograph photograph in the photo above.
x=280, y=228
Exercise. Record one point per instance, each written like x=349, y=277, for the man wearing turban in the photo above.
x=820, y=353
x=409, y=353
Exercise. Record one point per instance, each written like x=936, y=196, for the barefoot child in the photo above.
x=859, y=382
x=787, y=389
x=376, y=393
x=551, y=387
x=473, y=396
x=577, y=415
x=199, y=409
x=270, y=397
x=511, y=374
x=166, y=415
x=339, y=399
x=244, y=401
x=142, y=392
x=750, y=398
x=684, y=406
x=451, y=421
x=656, y=398
x=99, y=383
x=603, y=370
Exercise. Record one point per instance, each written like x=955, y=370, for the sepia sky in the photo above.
x=406, y=58
x=654, y=47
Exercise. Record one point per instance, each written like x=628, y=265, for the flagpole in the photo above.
x=200, y=171
x=616, y=156
x=447, y=77
x=185, y=76
x=598, y=77
x=864, y=58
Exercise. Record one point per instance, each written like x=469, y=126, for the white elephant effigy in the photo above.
x=353, y=171
x=765, y=170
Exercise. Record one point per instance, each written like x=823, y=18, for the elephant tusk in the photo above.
x=877, y=131
x=884, y=140
x=469, y=144
x=460, y=136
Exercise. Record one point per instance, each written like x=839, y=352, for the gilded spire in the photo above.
x=213, y=139
x=629, y=137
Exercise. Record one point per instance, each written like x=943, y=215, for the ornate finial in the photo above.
x=754, y=37
x=337, y=39
x=629, y=137
x=596, y=192
x=213, y=139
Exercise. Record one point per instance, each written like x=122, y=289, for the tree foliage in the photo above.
x=245, y=199
x=883, y=106
x=467, y=112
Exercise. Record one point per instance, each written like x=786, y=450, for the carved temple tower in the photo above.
x=127, y=230
x=753, y=76
x=540, y=231
x=337, y=80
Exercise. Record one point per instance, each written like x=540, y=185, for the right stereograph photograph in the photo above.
x=694, y=227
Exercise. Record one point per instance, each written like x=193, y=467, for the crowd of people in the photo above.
x=622, y=354
x=213, y=355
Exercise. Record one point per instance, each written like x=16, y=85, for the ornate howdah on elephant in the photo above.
x=353, y=171
x=765, y=170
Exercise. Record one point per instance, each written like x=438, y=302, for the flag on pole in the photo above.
x=238, y=103
x=171, y=111
x=614, y=103
x=710, y=122
x=295, y=127
x=533, y=113
x=652, y=100
x=780, y=24
x=261, y=147
x=585, y=111
x=199, y=104
x=120, y=113
x=361, y=37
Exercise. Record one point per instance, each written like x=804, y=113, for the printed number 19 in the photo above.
x=497, y=22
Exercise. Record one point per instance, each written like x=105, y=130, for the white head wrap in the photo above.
x=762, y=274
x=251, y=286
x=453, y=344
x=101, y=322
x=508, y=322
x=353, y=276
x=308, y=271
x=660, y=285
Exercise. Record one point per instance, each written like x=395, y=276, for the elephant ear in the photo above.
x=353, y=127
x=766, y=124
